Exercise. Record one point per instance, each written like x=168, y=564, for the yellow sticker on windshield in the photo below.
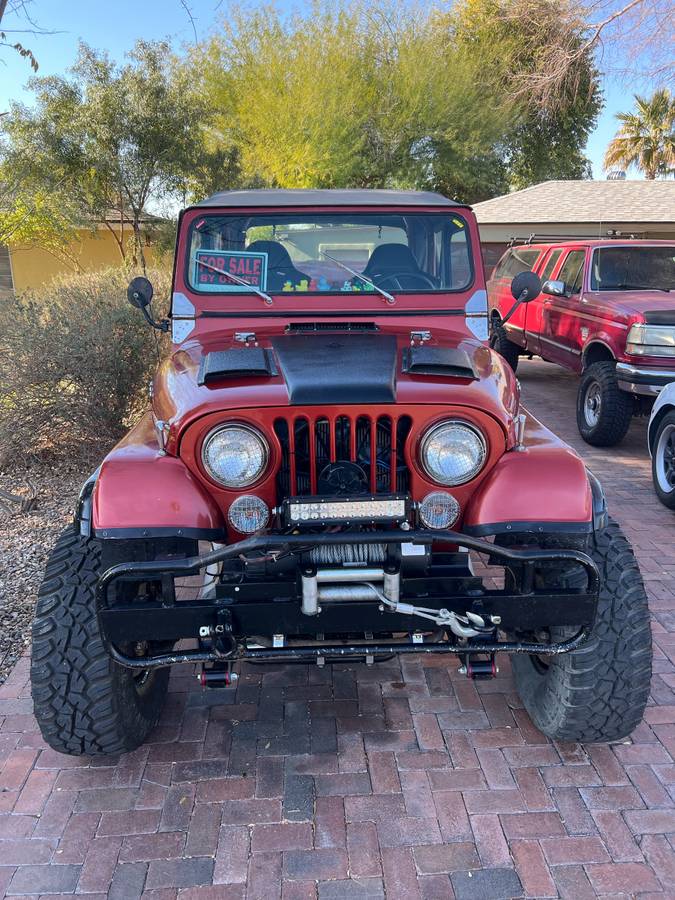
x=458, y=223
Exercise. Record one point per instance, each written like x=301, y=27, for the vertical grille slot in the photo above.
x=376, y=444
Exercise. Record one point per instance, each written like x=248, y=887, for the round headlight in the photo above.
x=453, y=452
x=235, y=455
x=248, y=514
x=438, y=510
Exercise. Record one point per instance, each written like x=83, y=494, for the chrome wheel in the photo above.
x=664, y=459
x=593, y=404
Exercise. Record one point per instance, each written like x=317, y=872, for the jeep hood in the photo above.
x=332, y=368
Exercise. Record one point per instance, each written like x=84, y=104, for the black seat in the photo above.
x=391, y=258
x=280, y=268
x=394, y=266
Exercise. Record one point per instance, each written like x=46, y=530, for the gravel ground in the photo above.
x=25, y=542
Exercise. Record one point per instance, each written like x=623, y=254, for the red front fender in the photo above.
x=140, y=492
x=541, y=488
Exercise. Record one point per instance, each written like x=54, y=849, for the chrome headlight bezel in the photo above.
x=432, y=432
x=240, y=483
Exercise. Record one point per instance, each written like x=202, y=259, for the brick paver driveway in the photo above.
x=404, y=780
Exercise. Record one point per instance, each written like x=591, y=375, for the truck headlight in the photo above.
x=453, y=452
x=651, y=340
x=235, y=455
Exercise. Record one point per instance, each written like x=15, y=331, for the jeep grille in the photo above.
x=374, y=444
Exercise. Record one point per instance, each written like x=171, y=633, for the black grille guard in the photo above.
x=527, y=559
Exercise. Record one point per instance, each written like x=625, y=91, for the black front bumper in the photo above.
x=273, y=607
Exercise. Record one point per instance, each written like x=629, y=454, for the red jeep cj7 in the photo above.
x=330, y=446
x=605, y=311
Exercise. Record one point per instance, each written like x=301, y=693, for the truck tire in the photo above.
x=84, y=702
x=598, y=692
x=604, y=411
x=500, y=342
x=663, y=460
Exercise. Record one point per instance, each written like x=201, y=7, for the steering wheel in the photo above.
x=394, y=278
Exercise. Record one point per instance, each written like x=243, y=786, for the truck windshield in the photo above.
x=313, y=253
x=633, y=268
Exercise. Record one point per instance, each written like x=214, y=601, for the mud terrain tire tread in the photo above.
x=499, y=341
x=598, y=692
x=616, y=410
x=84, y=702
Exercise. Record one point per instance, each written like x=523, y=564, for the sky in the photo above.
x=115, y=25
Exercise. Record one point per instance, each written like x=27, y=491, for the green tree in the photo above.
x=550, y=121
x=107, y=141
x=646, y=137
x=386, y=96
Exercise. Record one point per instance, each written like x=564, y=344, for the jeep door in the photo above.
x=561, y=322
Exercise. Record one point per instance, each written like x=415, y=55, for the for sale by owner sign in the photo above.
x=213, y=267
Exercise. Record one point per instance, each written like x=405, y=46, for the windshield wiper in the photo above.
x=266, y=297
x=387, y=296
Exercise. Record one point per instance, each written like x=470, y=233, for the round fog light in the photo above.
x=248, y=514
x=439, y=510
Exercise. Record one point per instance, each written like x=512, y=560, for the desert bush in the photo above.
x=75, y=360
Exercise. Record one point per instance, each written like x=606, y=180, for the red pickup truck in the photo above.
x=606, y=311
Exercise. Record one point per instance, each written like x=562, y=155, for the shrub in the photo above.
x=75, y=360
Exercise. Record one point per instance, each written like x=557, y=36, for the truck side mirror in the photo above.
x=525, y=286
x=554, y=287
x=139, y=292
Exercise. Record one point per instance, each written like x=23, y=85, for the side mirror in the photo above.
x=139, y=292
x=526, y=286
x=554, y=288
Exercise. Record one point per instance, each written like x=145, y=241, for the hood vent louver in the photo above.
x=447, y=362
x=236, y=363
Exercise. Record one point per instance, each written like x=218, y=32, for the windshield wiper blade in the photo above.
x=266, y=297
x=387, y=296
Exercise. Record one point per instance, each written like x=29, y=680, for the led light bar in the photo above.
x=338, y=510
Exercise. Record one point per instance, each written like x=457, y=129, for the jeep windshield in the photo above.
x=633, y=268
x=313, y=253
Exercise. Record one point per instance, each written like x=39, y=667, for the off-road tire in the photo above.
x=84, y=702
x=598, y=692
x=616, y=406
x=500, y=342
x=664, y=436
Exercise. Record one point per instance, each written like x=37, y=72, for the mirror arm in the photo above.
x=515, y=306
x=160, y=326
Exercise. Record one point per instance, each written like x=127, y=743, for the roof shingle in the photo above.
x=582, y=201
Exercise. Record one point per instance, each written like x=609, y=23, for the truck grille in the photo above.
x=374, y=444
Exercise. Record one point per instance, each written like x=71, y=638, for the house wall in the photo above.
x=33, y=267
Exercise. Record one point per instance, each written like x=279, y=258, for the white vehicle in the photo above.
x=661, y=437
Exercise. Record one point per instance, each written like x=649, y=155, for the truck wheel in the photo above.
x=598, y=692
x=84, y=702
x=604, y=411
x=663, y=461
x=500, y=342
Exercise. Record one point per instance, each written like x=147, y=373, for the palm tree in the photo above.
x=646, y=137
